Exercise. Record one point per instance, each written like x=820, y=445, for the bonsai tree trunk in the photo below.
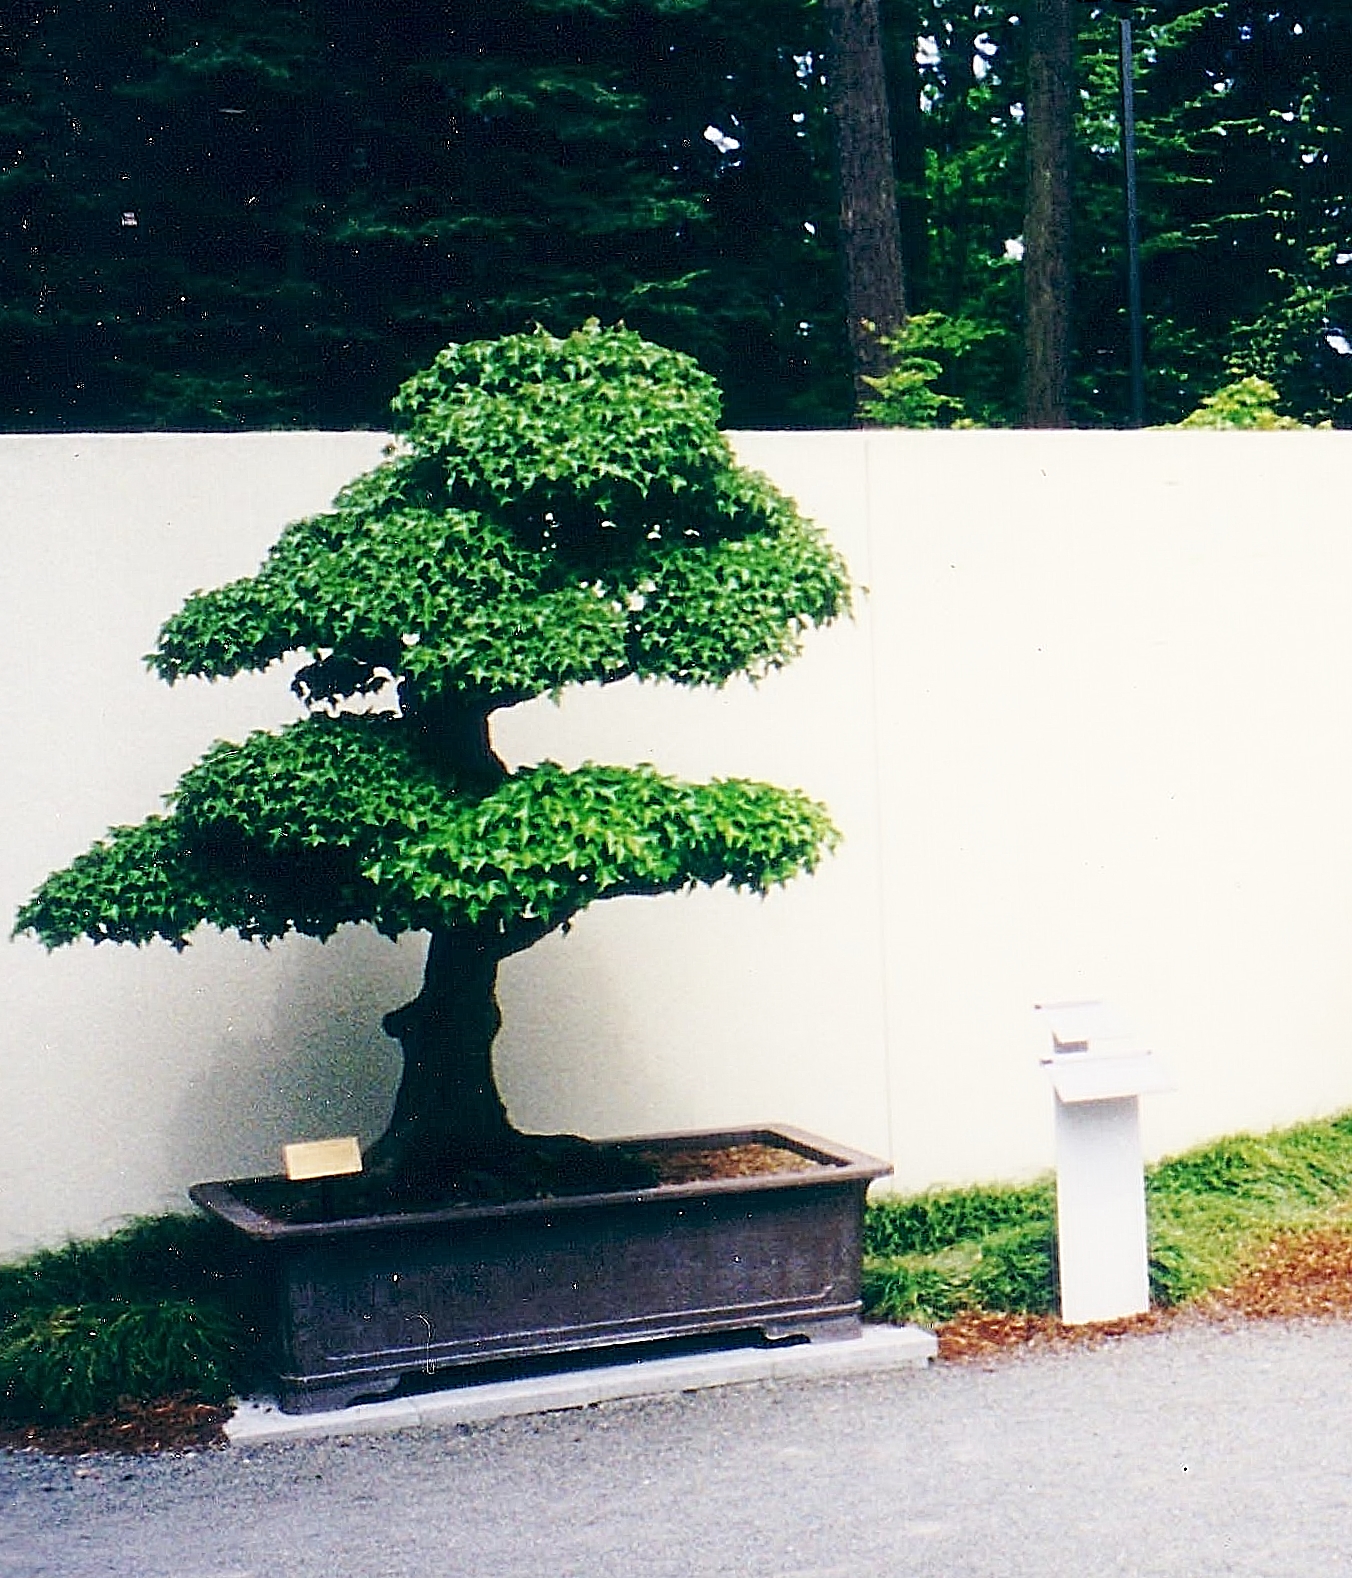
x=448, y=1115
x=449, y=1135
x=449, y=1121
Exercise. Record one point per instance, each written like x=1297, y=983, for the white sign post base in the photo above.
x=1098, y=1078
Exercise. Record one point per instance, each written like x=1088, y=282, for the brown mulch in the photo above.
x=980, y=1335
x=1299, y=1276
x=168, y=1424
x=693, y=1164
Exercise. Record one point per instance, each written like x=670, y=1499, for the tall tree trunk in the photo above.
x=1050, y=122
x=900, y=27
x=870, y=237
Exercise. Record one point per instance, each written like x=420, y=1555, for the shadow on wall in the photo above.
x=317, y=1063
x=569, y=1055
x=314, y=1062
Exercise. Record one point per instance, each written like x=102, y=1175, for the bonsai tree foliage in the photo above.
x=554, y=511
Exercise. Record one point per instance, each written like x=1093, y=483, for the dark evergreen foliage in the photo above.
x=238, y=213
x=246, y=214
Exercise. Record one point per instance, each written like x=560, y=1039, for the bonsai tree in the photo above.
x=554, y=511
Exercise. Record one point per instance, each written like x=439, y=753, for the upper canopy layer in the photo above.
x=558, y=511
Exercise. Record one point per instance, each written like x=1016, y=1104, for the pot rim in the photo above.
x=839, y=1165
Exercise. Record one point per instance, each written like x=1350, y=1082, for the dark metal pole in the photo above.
x=1133, y=227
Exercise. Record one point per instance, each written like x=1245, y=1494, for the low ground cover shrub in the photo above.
x=932, y=1256
x=927, y=1257
x=164, y=1305
x=61, y=1365
x=1212, y=1209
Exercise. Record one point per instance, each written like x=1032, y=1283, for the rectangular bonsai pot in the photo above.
x=364, y=1301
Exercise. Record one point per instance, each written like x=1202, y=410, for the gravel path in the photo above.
x=1198, y=1451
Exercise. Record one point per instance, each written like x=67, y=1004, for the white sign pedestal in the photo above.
x=1098, y=1076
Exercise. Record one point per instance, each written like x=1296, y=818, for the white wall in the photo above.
x=1089, y=734
x=1116, y=761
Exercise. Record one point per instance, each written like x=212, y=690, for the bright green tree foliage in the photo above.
x=1246, y=403
x=555, y=511
x=1245, y=176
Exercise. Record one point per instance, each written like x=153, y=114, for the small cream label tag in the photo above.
x=322, y=1158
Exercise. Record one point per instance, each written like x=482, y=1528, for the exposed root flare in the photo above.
x=431, y=1169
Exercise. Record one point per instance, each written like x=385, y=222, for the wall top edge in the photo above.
x=887, y=435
